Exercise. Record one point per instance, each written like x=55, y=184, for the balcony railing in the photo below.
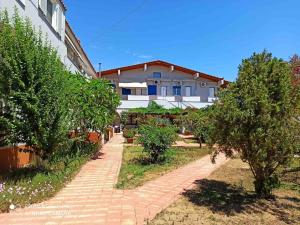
x=167, y=98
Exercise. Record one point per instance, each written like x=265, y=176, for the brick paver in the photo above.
x=92, y=199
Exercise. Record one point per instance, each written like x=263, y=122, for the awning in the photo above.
x=133, y=85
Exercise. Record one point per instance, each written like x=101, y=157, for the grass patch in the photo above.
x=227, y=197
x=137, y=169
x=35, y=184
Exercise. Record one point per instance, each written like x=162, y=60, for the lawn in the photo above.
x=227, y=197
x=136, y=168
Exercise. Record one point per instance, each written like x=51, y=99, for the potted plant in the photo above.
x=129, y=135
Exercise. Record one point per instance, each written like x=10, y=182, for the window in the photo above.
x=156, y=75
x=188, y=91
x=152, y=90
x=53, y=13
x=177, y=90
x=164, y=91
x=126, y=91
x=211, y=93
x=49, y=11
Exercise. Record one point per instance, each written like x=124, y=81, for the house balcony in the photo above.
x=168, y=102
x=167, y=98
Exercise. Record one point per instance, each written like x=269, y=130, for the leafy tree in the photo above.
x=198, y=122
x=295, y=64
x=155, y=139
x=32, y=83
x=42, y=100
x=255, y=116
x=94, y=103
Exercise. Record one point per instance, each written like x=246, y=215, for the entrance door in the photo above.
x=188, y=91
x=152, y=90
x=164, y=90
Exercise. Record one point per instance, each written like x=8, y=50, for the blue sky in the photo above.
x=211, y=36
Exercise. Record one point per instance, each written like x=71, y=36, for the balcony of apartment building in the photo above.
x=135, y=94
x=135, y=91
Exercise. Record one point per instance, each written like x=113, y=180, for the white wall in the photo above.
x=184, y=79
x=31, y=11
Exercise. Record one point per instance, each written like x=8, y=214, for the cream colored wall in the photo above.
x=168, y=78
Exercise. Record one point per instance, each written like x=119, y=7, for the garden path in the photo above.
x=92, y=199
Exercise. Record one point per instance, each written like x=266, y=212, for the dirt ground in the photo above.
x=227, y=197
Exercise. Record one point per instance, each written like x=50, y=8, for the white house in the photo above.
x=49, y=17
x=167, y=84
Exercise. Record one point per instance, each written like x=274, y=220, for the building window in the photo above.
x=126, y=91
x=177, y=90
x=49, y=11
x=53, y=14
x=156, y=75
x=212, y=92
x=152, y=90
x=164, y=91
x=188, y=91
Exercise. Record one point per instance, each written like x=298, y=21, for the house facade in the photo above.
x=167, y=84
x=49, y=17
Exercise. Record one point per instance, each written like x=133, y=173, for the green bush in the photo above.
x=156, y=139
x=257, y=116
x=129, y=133
x=43, y=101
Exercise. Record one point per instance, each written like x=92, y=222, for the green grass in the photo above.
x=136, y=167
x=35, y=184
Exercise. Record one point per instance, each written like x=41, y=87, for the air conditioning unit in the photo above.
x=203, y=84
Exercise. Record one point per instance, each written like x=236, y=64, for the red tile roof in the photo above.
x=161, y=63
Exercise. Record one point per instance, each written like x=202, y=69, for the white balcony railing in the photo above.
x=138, y=97
x=191, y=98
x=167, y=98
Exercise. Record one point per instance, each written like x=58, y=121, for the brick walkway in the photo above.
x=91, y=198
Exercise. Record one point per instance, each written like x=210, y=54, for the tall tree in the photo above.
x=255, y=117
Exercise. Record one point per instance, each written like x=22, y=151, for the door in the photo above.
x=152, y=90
x=164, y=90
x=177, y=90
x=211, y=93
x=188, y=91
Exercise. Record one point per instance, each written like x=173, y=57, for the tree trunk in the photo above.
x=200, y=142
x=263, y=188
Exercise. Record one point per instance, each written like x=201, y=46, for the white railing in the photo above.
x=167, y=98
x=138, y=97
x=191, y=98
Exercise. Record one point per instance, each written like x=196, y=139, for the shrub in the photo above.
x=257, y=117
x=199, y=123
x=129, y=133
x=42, y=100
x=156, y=140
